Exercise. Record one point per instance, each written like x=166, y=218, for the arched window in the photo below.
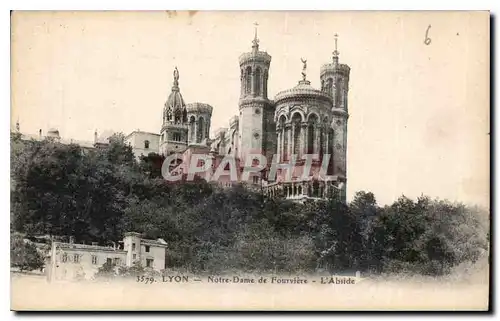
x=146, y=144
x=207, y=129
x=264, y=83
x=321, y=143
x=177, y=116
x=311, y=132
x=330, y=151
x=169, y=114
x=329, y=86
x=310, y=138
x=201, y=130
x=282, y=137
x=192, y=134
x=248, y=80
x=296, y=123
x=257, y=82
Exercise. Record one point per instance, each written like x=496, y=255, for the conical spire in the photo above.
x=175, y=108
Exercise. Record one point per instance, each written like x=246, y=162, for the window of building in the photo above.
x=177, y=137
x=94, y=259
x=257, y=82
x=147, y=248
x=109, y=261
x=133, y=246
x=76, y=258
x=134, y=256
x=117, y=261
x=255, y=179
x=248, y=80
x=146, y=144
x=149, y=263
x=65, y=257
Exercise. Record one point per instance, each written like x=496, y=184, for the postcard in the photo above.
x=250, y=160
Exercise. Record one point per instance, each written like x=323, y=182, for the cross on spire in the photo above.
x=255, y=39
x=336, y=52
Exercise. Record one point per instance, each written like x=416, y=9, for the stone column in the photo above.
x=303, y=133
x=316, y=139
x=283, y=151
x=278, y=142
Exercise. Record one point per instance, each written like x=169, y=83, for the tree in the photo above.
x=106, y=271
x=24, y=255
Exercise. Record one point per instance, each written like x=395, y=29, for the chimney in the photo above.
x=40, y=133
x=95, y=136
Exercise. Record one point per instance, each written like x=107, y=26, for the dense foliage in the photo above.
x=97, y=195
x=24, y=255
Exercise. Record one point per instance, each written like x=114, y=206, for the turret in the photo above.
x=174, y=131
x=256, y=126
x=335, y=82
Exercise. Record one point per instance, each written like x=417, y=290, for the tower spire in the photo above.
x=176, y=79
x=255, y=40
x=336, y=52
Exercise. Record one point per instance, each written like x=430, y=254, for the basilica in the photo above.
x=298, y=121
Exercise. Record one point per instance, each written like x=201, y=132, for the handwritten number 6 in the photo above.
x=427, y=40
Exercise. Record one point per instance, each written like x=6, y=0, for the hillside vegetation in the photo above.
x=98, y=195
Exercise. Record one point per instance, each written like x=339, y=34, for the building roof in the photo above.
x=86, y=247
x=302, y=90
x=197, y=107
x=158, y=242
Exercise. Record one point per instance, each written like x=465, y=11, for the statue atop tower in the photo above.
x=173, y=134
x=304, y=68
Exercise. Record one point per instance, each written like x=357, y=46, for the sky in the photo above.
x=419, y=110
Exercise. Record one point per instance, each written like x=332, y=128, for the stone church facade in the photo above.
x=298, y=121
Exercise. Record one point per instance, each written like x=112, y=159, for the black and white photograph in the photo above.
x=250, y=161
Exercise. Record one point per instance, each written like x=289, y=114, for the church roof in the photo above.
x=175, y=100
x=197, y=107
x=335, y=68
x=302, y=90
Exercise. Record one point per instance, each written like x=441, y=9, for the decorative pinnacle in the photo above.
x=255, y=39
x=17, y=125
x=336, y=52
x=176, y=78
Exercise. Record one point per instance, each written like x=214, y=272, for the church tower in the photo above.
x=174, y=131
x=335, y=82
x=256, y=121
